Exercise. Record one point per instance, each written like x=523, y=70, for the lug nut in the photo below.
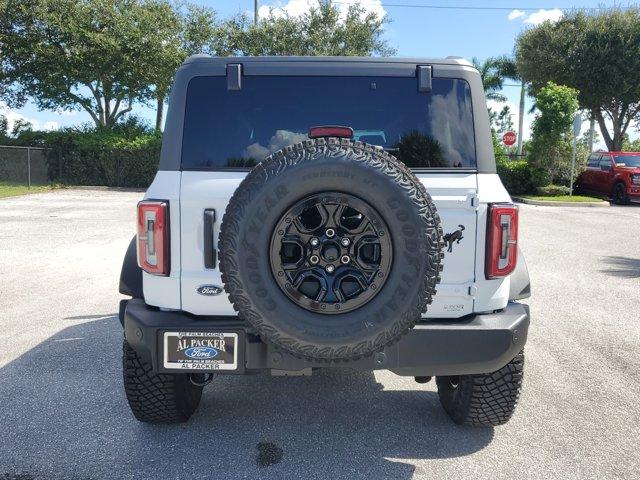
x=330, y=232
x=345, y=242
x=330, y=268
x=315, y=242
x=314, y=259
x=345, y=259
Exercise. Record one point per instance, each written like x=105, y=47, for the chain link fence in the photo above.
x=111, y=167
x=24, y=165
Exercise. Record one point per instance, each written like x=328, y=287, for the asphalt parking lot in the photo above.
x=63, y=414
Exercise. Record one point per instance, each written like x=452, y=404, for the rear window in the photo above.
x=237, y=129
x=594, y=161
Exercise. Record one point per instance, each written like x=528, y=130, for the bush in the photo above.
x=516, y=176
x=126, y=156
x=111, y=167
x=553, y=190
x=551, y=150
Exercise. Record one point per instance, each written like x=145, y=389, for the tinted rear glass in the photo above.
x=594, y=161
x=237, y=129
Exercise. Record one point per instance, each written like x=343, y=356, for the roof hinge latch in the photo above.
x=234, y=76
x=424, y=78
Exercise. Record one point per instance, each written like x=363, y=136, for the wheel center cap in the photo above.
x=330, y=252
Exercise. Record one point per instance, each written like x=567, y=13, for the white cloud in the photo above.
x=50, y=125
x=542, y=15
x=515, y=14
x=281, y=139
x=13, y=116
x=296, y=8
x=370, y=6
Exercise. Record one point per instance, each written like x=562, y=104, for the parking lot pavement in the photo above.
x=63, y=414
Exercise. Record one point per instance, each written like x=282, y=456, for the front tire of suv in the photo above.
x=157, y=397
x=620, y=196
x=482, y=400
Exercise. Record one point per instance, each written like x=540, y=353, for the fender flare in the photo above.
x=520, y=286
x=131, y=273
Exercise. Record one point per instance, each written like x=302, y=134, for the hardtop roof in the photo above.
x=452, y=60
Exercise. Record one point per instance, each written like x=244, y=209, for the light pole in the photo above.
x=577, y=125
x=255, y=12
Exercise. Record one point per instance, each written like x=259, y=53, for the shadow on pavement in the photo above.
x=622, y=267
x=64, y=415
x=91, y=317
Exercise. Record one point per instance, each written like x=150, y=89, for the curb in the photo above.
x=549, y=203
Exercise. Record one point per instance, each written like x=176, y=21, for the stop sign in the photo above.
x=509, y=138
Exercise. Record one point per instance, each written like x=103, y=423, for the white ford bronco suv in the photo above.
x=325, y=213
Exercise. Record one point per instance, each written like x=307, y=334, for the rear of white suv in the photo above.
x=300, y=186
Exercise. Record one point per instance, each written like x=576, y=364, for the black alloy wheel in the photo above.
x=331, y=253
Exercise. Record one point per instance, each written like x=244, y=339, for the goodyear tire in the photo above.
x=370, y=308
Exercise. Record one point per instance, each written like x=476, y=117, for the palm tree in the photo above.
x=492, y=78
x=507, y=68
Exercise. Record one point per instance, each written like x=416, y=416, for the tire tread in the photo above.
x=485, y=399
x=157, y=397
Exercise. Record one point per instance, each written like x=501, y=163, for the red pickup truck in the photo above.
x=612, y=173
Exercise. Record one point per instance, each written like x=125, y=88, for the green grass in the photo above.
x=12, y=189
x=562, y=198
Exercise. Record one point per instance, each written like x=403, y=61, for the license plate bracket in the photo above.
x=204, y=351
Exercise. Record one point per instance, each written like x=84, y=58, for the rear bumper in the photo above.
x=477, y=344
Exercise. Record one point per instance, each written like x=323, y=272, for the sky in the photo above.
x=488, y=29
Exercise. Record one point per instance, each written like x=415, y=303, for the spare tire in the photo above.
x=331, y=249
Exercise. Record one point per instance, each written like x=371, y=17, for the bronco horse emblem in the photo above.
x=452, y=237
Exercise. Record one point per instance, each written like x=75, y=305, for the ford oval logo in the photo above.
x=201, y=352
x=209, y=290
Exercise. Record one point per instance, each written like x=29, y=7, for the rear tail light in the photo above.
x=502, y=240
x=153, y=237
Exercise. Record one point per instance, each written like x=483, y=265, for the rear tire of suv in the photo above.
x=157, y=397
x=482, y=400
x=620, y=196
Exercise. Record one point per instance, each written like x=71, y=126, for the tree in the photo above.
x=597, y=54
x=80, y=54
x=501, y=121
x=492, y=78
x=417, y=150
x=4, y=126
x=587, y=141
x=629, y=145
x=508, y=68
x=320, y=31
x=185, y=31
x=21, y=125
x=551, y=143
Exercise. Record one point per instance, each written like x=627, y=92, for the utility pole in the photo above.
x=520, y=121
x=577, y=125
x=255, y=12
x=592, y=127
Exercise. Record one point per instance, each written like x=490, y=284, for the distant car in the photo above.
x=616, y=174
